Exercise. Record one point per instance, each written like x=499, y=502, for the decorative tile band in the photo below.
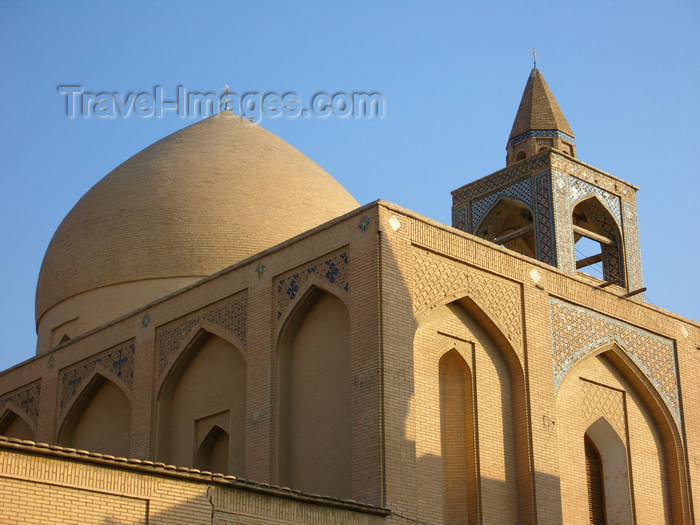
x=634, y=252
x=526, y=168
x=25, y=399
x=332, y=269
x=544, y=226
x=577, y=331
x=520, y=191
x=117, y=361
x=229, y=313
x=540, y=133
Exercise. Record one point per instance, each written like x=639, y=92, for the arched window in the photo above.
x=12, y=425
x=509, y=223
x=597, y=242
x=212, y=454
x=521, y=155
x=594, y=479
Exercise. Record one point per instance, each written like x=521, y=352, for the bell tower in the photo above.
x=548, y=205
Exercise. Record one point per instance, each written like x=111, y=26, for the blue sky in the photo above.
x=451, y=75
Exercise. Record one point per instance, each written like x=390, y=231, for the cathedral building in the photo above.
x=226, y=336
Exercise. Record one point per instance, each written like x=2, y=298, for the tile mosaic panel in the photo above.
x=520, y=191
x=25, y=399
x=562, y=222
x=634, y=253
x=436, y=279
x=117, y=361
x=581, y=189
x=332, y=269
x=576, y=331
x=229, y=314
x=501, y=178
x=544, y=225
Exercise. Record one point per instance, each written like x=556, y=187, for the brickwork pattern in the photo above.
x=459, y=218
x=36, y=488
x=544, y=226
x=332, y=269
x=229, y=313
x=577, y=331
x=437, y=281
x=117, y=362
x=25, y=399
x=519, y=191
x=601, y=180
x=499, y=179
x=598, y=400
x=634, y=252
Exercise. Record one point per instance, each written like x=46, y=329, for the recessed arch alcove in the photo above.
x=14, y=425
x=205, y=390
x=313, y=404
x=509, y=223
x=99, y=420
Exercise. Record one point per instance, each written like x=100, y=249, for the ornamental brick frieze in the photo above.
x=600, y=400
x=116, y=362
x=601, y=180
x=330, y=270
x=229, y=314
x=24, y=399
x=437, y=280
x=577, y=331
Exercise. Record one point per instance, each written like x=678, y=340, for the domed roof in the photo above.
x=191, y=204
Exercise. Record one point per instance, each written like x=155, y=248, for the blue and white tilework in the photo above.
x=332, y=270
x=25, y=399
x=117, y=362
x=541, y=133
x=520, y=191
x=634, y=252
x=577, y=331
x=581, y=189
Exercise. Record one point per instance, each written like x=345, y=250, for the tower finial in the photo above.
x=534, y=57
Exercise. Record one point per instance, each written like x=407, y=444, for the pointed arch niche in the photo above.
x=99, y=420
x=604, y=398
x=597, y=241
x=13, y=425
x=201, y=407
x=509, y=223
x=314, y=396
x=453, y=422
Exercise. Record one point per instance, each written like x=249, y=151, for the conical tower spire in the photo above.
x=539, y=123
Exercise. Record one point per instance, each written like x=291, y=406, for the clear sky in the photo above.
x=451, y=74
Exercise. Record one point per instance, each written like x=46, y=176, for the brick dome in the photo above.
x=191, y=204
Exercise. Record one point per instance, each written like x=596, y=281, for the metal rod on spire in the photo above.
x=534, y=57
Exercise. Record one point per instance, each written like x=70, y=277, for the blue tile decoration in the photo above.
x=24, y=399
x=563, y=226
x=229, y=313
x=541, y=133
x=544, y=220
x=260, y=269
x=116, y=362
x=364, y=223
x=520, y=191
x=332, y=269
x=146, y=319
x=496, y=180
x=577, y=331
x=459, y=218
x=581, y=189
x=634, y=253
